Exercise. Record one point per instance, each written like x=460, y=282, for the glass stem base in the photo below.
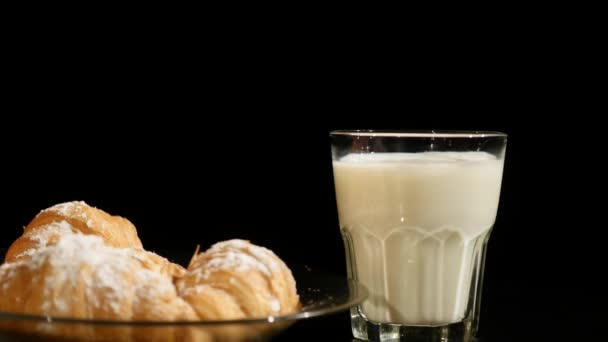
x=367, y=330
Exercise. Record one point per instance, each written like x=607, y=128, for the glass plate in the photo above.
x=320, y=294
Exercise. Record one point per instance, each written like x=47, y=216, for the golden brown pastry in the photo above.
x=79, y=262
x=68, y=218
x=81, y=277
x=236, y=279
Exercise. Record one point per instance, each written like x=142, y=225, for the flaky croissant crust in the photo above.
x=77, y=261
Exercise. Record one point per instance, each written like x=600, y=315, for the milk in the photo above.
x=416, y=223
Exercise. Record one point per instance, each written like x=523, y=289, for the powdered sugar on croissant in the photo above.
x=68, y=218
x=77, y=261
x=236, y=279
x=81, y=277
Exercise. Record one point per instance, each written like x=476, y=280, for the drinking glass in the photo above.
x=416, y=210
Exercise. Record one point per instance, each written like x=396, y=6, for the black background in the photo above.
x=187, y=182
x=196, y=150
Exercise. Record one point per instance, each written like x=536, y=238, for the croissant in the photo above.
x=72, y=217
x=236, y=279
x=77, y=261
x=82, y=277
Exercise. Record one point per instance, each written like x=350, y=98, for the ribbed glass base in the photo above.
x=366, y=330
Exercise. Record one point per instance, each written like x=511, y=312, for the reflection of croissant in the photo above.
x=77, y=261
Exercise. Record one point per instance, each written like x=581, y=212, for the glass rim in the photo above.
x=418, y=134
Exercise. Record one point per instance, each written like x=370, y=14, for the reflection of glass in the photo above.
x=416, y=210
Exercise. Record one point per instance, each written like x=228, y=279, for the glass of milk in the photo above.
x=416, y=210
